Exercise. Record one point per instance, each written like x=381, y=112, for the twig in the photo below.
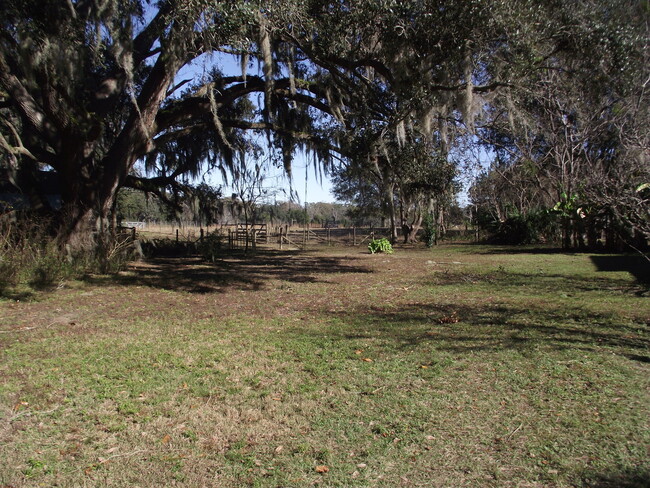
x=24, y=329
x=126, y=454
x=514, y=431
x=29, y=413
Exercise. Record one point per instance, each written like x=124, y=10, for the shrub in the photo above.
x=30, y=256
x=380, y=245
x=111, y=255
x=210, y=246
x=428, y=231
x=536, y=226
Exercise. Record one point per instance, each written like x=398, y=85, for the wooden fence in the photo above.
x=242, y=236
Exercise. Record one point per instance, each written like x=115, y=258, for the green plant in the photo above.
x=210, y=246
x=380, y=245
x=429, y=231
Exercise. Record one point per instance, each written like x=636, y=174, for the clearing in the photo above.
x=458, y=366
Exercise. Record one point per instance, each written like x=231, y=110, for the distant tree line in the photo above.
x=136, y=206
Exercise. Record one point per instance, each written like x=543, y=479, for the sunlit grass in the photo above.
x=459, y=366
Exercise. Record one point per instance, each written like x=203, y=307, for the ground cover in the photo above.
x=458, y=366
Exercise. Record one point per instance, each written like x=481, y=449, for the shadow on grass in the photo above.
x=463, y=329
x=480, y=248
x=628, y=479
x=636, y=265
x=233, y=271
x=559, y=318
x=555, y=285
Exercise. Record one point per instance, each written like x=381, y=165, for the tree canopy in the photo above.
x=108, y=95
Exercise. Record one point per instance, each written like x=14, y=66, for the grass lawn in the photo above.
x=458, y=366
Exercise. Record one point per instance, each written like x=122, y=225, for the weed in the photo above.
x=380, y=245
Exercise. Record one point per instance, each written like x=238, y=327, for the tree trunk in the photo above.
x=414, y=229
x=406, y=231
x=88, y=198
x=393, y=217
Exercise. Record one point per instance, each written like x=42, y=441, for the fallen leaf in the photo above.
x=322, y=469
x=20, y=405
x=278, y=449
x=358, y=351
x=361, y=465
x=449, y=319
x=166, y=439
x=367, y=360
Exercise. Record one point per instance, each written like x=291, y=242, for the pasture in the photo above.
x=458, y=366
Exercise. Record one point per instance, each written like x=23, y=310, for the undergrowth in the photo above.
x=31, y=259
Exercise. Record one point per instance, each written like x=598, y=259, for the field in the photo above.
x=461, y=366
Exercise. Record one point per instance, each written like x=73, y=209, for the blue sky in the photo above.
x=318, y=186
x=318, y=189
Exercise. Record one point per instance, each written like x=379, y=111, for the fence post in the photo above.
x=133, y=237
x=354, y=236
x=176, y=235
x=201, y=237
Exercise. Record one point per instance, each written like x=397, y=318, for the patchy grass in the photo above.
x=459, y=366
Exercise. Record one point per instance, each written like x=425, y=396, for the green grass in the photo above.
x=460, y=366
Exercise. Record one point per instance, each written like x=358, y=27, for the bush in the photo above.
x=30, y=256
x=380, y=245
x=428, y=231
x=534, y=227
x=210, y=246
x=112, y=254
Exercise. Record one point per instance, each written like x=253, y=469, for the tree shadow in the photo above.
x=636, y=265
x=521, y=249
x=463, y=329
x=502, y=280
x=484, y=326
x=231, y=271
x=628, y=479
